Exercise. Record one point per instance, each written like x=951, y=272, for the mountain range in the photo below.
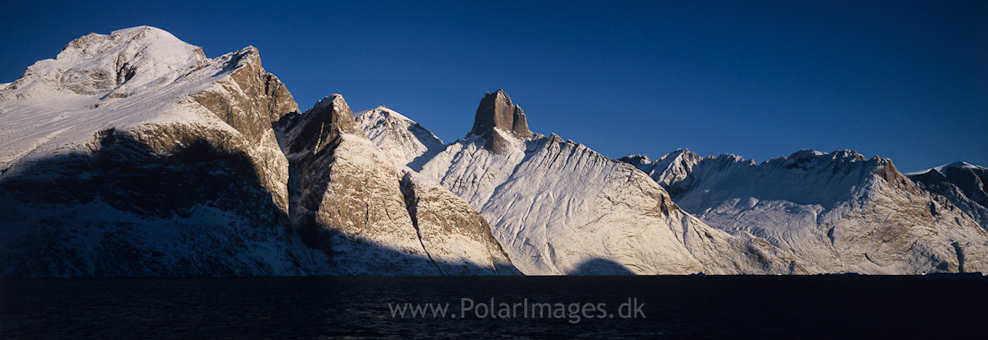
x=133, y=154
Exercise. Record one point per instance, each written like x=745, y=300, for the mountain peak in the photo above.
x=140, y=41
x=323, y=123
x=137, y=29
x=123, y=61
x=496, y=111
x=334, y=102
x=500, y=122
x=958, y=164
x=638, y=160
x=384, y=112
x=943, y=168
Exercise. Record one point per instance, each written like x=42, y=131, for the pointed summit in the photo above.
x=124, y=62
x=498, y=120
x=496, y=111
x=401, y=138
x=321, y=125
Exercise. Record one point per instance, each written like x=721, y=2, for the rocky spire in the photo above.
x=497, y=112
x=319, y=126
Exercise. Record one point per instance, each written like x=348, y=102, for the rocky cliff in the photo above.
x=960, y=183
x=558, y=207
x=354, y=205
x=132, y=154
x=499, y=121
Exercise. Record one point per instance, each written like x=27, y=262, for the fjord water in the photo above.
x=358, y=307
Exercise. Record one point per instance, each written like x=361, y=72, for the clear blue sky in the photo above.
x=903, y=80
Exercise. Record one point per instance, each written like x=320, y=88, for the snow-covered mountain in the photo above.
x=402, y=139
x=673, y=171
x=961, y=183
x=836, y=212
x=133, y=154
x=558, y=207
x=351, y=202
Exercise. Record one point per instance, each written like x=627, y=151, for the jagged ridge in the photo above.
x=837, y=212
x=561, y=208
x=153, y=160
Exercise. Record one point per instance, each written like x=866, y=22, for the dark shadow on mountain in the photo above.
x=125, y=210
x=419, y=162
x=964, y=187
x=969, y=182
x=129, y=176
x=599, y=266
x=351, y=256
x=311, y=163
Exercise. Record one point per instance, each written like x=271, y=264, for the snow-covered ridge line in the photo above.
x=139, y=130
x=810, y=208
x=381, y=109
x=354, y=204
x=102, y=81
x=821, y=206
x=941, y=169
x=962, y=184
x=157, y=161
x=154, y=160
x=402, y=139
x=558, y=207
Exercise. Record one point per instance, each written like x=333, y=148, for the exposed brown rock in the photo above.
x=320, y=125
x=261, y=100
x=353, y=205
x=450, y=230
x=496, y=111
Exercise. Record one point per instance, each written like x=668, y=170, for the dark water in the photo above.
x=358, y=307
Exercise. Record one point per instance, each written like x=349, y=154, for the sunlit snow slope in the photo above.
x=558, y=207
x=837, y=212
x=132, y=154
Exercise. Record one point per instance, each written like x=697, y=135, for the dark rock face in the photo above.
x=126, y=210
x=963, y=186
x=323, y=123
x=341, y=205
x=496, y=111
x=642, y=162
x=187, y=166
x=261, y=101
x=337, y=202
x=167, y=198
x=971, y=182
x=131, y=175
